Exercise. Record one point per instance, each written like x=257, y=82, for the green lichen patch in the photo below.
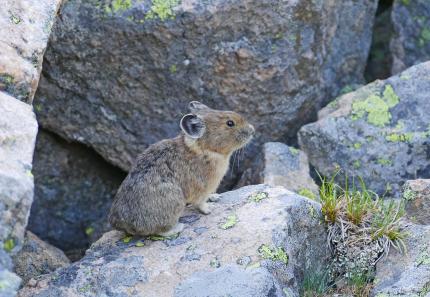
x=293, y=151
x=162, y=9
x=424, y=36
x=173, y=69
x=230, y=222
x=15, y=19
x=384, y=162
x=409, y=194
x=274, y=254
x=258, y=197
x=89, y=231
x=9, y=244
x=307, y=193
x=140, y=243
x=127, y=239
x=356, y=164
x=161, y=238
x=357, y=145
x=400, y=137
x=118, y=6
x=215, y=263
x=376, y=108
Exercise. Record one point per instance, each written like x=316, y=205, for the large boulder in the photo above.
x=74, y=188
x=380, y=132
x=281, y=165
x=25, y=26
x=258, y=239
x=406, y=274
x=410, y=44
x=118, y=74
x=37, y=258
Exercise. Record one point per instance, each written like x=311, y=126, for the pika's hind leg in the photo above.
x=179, y=227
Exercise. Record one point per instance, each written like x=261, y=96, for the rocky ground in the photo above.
x=87, y=85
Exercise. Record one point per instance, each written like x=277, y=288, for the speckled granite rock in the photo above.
x=406, y=274
x=380, y=132
x=74, y=188
x=25, y=26
x=37, y=257
x=262, y=237
x=281, y=165
x=410, y=44
x=118, y=74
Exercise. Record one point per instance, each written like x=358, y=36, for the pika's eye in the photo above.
x=230, y=123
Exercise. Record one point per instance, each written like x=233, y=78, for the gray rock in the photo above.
x=38, y=257
x=9, y=283
x=125, y=72
x=74, y=188
x=18, y=129
x=25, y=26
x=282, y=236
x=380, y=132
x=417, y=196
x=230, y=281
x=411, y=41
x=281, y=165
x=406, y=274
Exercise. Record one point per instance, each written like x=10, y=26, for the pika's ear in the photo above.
x=193, y=126
x=196, y=106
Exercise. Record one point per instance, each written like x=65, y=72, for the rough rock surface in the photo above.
x=37, y=257
x=25, y=26
x=118, y=74
x=74, y=188
x=417, y=196
x=411, y=41
x=18, y=129
x=380, y=132
x=406, y=274
x=263, y=237
x=9, y=282
x=281, y=165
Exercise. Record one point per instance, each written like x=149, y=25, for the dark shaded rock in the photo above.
x=380, y=59
x=24, y=29
x=281, y=165
x=38, y=257
x=117, y=77
x=73, y=192
x=380, y=132
x=278, y=250
x=411, y=41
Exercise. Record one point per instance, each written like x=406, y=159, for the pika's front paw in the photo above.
x=204, y=208
x=214, y=197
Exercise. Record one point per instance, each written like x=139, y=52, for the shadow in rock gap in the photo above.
x=74, y=188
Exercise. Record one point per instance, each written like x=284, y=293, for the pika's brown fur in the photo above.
x=178, y=171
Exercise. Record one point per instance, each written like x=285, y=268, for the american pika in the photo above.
x=179, y=171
